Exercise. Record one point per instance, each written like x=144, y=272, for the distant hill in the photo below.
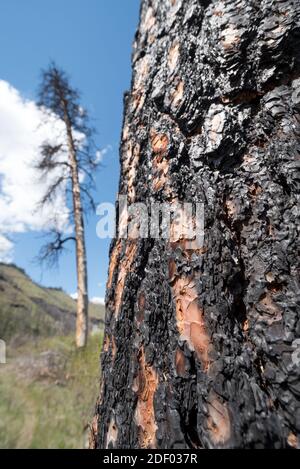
x=29, y=311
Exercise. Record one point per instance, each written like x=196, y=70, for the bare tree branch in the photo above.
x=50, y=252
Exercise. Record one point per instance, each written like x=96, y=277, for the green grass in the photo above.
x=48, y=388
x=49, y=412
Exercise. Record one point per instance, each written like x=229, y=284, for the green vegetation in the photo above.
x=29, y=311
x=48, y=387
x=48, y=392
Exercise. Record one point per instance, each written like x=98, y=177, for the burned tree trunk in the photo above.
x=202, y=345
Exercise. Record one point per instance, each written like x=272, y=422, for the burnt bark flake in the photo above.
x=202, y=347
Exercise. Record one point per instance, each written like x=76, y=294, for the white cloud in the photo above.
x=21, y=189
x=98, y=301
x=95, y=300
x=6, y=249
x=100, y=154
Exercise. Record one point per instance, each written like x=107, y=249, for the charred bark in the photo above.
x=202, y=347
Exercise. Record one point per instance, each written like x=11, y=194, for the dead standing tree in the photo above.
x=202, y=347
x=72, y=175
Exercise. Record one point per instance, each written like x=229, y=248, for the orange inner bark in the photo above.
x=146, y=385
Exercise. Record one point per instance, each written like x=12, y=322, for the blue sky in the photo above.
x=92, y=41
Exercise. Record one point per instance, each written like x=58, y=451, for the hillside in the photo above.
x=28, y=310
x=43, y=364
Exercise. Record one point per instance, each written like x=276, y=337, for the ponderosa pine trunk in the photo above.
x=201, y=347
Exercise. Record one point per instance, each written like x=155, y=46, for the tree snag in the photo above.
x=71, y=177
x=206, y=341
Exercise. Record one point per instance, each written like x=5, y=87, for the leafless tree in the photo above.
x=71, y=175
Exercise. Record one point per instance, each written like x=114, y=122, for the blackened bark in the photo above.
x=202, y=347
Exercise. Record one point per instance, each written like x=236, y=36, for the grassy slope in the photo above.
x=48, y=388
x=50, y=408
x=22, y=310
